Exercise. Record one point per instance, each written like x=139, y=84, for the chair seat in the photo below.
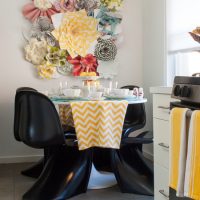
x=70, y=139
x=145, y=137
x=128, y=129
x=134, y=125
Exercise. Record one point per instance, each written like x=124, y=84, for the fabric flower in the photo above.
x=56, y=56
x=38, y=8
x=46, y=70
x=88, y=5
x=108, y=21
x=36, y=51
x=112, y=5
x=66, y=69
x=76, y=33
x=105, y=50
x=42, y=4
x=196, y=31
x=80, y=64
x=65, y=5
x=42, y=28
x=196, y=34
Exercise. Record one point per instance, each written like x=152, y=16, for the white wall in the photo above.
x=16, y=72
x=154, y=53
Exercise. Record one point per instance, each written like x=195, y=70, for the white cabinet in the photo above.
x=161, y=106
x=161, y=189
x=161, y=113
x=161, y=142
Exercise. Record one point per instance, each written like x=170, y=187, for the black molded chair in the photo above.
x=67, y=170
x=134, y=173
x=135, y=118
x=16, y=123
x=35, y=170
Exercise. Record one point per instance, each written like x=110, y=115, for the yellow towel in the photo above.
x=99, y=123
x=192, y=177
x=178, y=149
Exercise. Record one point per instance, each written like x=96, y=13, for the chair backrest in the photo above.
x=136, y=114
x=38, y=124
x=16, y=112
x=25, y=89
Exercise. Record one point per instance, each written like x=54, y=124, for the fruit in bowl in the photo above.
x=88, y=74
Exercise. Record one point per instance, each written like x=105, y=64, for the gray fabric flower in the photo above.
x=66, y=69
x=88, y=5
x=42, y=28
x=105, y=50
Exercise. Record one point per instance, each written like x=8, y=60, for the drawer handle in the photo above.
x=164, y=145
x=163, y=193
x=164, y=107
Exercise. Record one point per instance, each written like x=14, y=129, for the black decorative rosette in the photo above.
x=105, y=50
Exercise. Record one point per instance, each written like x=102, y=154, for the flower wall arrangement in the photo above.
x=72, y=37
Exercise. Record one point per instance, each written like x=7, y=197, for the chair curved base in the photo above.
x=66, y=174
x=132, y=173
x=101, y=159
x=35, y=170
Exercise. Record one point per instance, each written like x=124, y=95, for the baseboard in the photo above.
x=148, y=155
x=19, y=159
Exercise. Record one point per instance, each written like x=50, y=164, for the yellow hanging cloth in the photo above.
x=178, y=149
x=192, y=176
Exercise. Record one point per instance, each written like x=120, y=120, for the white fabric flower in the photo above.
x=43, y=4
x=36, y=51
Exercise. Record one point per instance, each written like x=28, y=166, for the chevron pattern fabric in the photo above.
x=99, y=123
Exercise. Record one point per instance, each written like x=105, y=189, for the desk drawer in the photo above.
x=161, y=106
x=161, y=142
x=161, y=188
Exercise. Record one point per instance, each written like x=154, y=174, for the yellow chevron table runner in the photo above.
x=99, y=123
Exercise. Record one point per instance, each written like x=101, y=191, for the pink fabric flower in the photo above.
x=31, y=12
x=65, y=5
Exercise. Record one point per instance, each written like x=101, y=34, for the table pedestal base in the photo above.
x=101, y=180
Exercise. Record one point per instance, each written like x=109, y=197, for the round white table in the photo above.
x=67, y=102
x=100, y=180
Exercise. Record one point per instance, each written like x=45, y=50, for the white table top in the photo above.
x=137, y=101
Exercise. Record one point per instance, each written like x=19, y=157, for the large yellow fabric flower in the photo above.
x=76, y=33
